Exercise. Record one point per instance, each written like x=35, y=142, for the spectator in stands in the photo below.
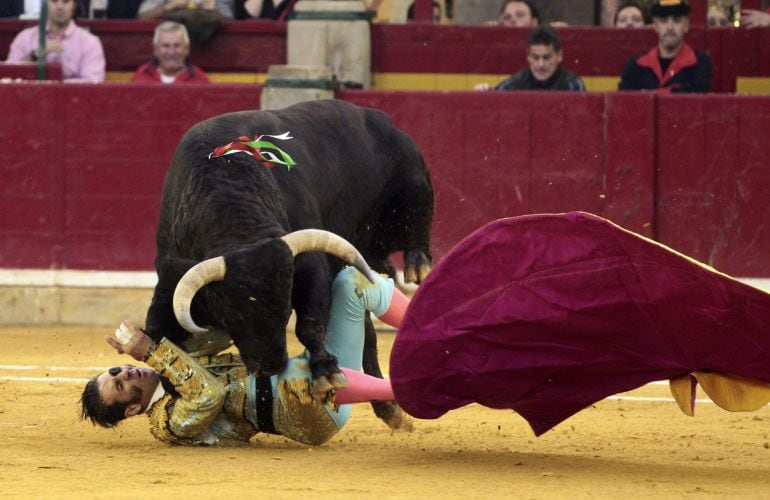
x=436, y=12
x=752, y=18
x=171, y=61
x=630, y=15
x=517, y=14
x=717, y=17
x=671, y=66
x=544, y=72
x=259, y=9
x=79, y=52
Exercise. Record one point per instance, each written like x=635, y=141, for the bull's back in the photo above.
x=348, y=159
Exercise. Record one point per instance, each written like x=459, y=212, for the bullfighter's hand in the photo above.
x=138, y=347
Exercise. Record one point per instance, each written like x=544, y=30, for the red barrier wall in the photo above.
x=713, y=180
x=84, y=164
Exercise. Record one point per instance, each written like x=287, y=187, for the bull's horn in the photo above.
x=193, y=280
x=317, y=240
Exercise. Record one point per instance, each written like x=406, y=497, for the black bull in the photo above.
x=356, y=175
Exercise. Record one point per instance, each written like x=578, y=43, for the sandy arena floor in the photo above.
x=636, y=446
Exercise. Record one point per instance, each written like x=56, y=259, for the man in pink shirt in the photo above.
x=79, y=52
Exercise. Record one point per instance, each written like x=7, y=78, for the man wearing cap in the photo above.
x=672, y=66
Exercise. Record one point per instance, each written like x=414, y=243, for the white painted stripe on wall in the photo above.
x=77, y=279
x=53, y=368
x=142, y=279
x=59, y=380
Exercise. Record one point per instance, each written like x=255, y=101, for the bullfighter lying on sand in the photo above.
x=221, y=404
x=543, y=314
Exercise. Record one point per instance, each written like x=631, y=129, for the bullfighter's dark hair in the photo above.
x=544, y=35
x=93, y=408
x=533, y=12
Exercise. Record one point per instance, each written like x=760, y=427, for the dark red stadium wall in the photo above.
x=498, y=155
x=83, y=165
x=713, y=180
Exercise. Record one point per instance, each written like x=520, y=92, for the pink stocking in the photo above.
x=363, y=388
x=396, y=310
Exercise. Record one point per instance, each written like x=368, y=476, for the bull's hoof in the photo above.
x=393, y=416
x=324, y=386
x=416, y=267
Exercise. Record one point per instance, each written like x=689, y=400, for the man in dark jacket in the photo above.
x=672, y=66
x=544, y=72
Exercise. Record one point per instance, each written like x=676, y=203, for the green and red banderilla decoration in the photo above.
x=267, y=153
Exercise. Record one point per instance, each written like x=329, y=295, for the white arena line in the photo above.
x=83, y=380
x=98, y=368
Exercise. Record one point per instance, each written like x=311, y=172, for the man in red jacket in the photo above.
x=171, y=64
x=672, y=66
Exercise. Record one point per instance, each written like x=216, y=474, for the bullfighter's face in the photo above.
x=128, y=384
x=543, y=60
x=171, y=50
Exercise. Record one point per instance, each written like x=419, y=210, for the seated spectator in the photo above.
x=436, y=12
x=79, y=52
x=752, y=18
x=717, y=17
x=671, y=66
x=544, y=72
x=259, y=9
x=171, y=61
x=517, y=14
x=630, y=15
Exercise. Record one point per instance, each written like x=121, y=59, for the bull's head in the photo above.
x=253, y=299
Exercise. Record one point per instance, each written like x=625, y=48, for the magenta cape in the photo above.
x=548, y=314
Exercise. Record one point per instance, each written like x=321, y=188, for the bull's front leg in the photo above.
x=311, y=299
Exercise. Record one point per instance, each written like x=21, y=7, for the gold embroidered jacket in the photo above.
x=210, y=409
